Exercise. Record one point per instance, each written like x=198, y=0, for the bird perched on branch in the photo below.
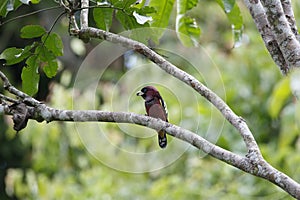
x=155, y=107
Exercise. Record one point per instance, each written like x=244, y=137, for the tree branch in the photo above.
x=84, y=15
x=258, y=14
x=254, y=164
x=10, y=88
x=289, y=14
x=286, y=39
x=251, y=163
x=276, y=39
x=171, y=69
x=276, y=23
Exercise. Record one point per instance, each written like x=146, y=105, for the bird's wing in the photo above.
x=164, y=105
x=157, y=111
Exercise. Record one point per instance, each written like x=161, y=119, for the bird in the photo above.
x=157, y=108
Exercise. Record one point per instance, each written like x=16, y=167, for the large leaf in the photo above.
x=30, y=76
x=32, y=31
x=103, y=18
x=279, y=96
x=235, y=17
x=53, y=43
x=186, y=27
x=163, y=11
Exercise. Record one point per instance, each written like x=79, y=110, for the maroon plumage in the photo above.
x=155, y=107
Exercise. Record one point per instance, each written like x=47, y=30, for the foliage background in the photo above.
x=49, y=161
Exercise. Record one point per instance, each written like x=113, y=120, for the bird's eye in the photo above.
x=144, y=90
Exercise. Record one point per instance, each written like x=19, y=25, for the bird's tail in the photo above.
x=162, y=139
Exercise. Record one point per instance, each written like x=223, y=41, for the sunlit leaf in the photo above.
x=15, y=55
x=187, y=29
x=35, y=1
x=226, y=5
x=163, y=11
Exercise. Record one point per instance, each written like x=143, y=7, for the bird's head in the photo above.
x=148, y=93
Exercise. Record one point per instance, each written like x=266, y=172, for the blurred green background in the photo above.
x=108, y=161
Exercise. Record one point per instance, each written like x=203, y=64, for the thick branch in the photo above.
x=258, y=14
x=250, y=164
x=43, y=112
x=289, y=14
x=286, y=39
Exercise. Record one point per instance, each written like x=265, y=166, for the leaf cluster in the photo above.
x=41, y=54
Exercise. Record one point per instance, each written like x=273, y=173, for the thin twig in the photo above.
x=10, y=88
x=28, y=14
x=51, y=28
x=9, y=99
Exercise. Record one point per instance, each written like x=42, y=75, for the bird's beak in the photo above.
x=140, y=93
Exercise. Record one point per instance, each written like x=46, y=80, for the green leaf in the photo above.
x=7, y=6
x=163, y=11
x=279, y=96
x=30, y=76
x=53, y=43
x=15, y=55
x=188, y=31
x=32, y=31
x=235, y=18
x=146, y=10
x=186, y=27
x=123, y=4
x=50, y=68
x=35, y=1
x=128, y=21
x=226, y=5
x=185, y=5
x=103, y=18
x=3, y=8
x=48, y=61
